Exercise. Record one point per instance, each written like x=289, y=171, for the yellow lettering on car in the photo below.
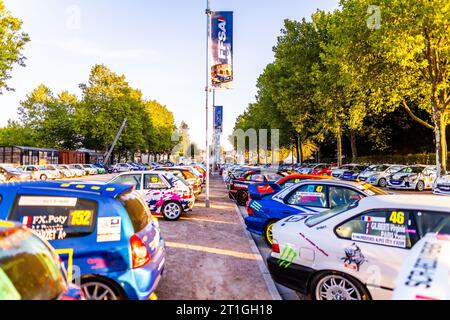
x=69, y=267
x=154, y=180
x=397, y=217
x=80, y=217
x=319, y=189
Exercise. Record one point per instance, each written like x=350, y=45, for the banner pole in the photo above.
x=208, y=28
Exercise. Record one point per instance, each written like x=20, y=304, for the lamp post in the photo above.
x=208, y=31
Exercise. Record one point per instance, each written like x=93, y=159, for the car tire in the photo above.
x=382, y=183
x=171, y=210
x=420, y=186
x=241, y=198
x=108, y=288
x=43, y=177
x=333, y=285
x=268, y=236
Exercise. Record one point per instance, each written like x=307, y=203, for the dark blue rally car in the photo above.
x=105, y=235
x=269, y=203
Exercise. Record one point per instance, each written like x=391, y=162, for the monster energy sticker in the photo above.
x=287, y=256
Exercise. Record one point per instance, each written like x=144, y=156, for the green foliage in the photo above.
x=12, y=43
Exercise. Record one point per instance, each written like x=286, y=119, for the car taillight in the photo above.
x=139, y=253
x=275, y=247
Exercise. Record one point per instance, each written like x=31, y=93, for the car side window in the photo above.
x=340, y=196
x=434, y=222
x=257, y=178
x=153, y=181
x=312, y=195
x=130, y=179
x=392, y=228
x=290, y=182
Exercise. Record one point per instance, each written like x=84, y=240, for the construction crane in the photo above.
x=108, y=155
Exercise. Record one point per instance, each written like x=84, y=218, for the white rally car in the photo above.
x=441, y=185
x=417, y=177
x=378, y=174
x=338, y=172
x=354, y=252
x=425, y=274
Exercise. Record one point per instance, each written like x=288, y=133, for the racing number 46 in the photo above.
x=397, y=217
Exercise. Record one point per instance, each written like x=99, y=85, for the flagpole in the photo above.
x=208, y=29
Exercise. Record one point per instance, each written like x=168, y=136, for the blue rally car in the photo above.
x=105, y=234
x=270, y=203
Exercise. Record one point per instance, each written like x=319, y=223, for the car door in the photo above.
x=155, y=188
x=372, y=245
x=307, y=199
x=430, y=176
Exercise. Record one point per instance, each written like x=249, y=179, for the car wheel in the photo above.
x=268, y=235
x=337, y=286
x=420, y=186
x=242, y=198
x=171, y=210
x=43, y=177
x=382, y=183
x=101, y=289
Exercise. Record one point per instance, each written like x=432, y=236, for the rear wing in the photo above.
x=258, y=191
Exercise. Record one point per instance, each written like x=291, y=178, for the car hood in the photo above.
x=444, y=179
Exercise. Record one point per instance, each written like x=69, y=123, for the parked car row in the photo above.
x=340, y=237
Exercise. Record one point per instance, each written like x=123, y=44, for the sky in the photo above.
x=159, y=45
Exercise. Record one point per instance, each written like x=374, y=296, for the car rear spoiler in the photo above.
x=258, y=191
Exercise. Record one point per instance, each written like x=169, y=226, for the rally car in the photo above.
x=323, y=169
x=441, y=185
x=105, y=234
x=338, y=172
x=165, y=194
x=379, y=174
x=416, y=177
x=269, y=203
x=355, y=251
x=30, y=269
x=238, y=188
x=425, y=272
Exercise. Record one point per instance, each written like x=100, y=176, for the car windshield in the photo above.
x=56, y=218
x=319, y=218
x=377, y=168
x=412, y=170
x=29, y=270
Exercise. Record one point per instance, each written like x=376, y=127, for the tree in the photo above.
x=50, y=117
x=12, y=43
x=15, y=134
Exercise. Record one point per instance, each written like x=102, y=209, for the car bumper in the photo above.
x=139, y=284
x=255, y=224
x=294, y=277
x=442, y=190
x=403, y=185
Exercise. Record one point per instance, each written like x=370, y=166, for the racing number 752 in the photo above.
x=397, y=217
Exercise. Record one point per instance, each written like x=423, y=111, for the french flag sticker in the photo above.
x=373, y=219
x=26, y=220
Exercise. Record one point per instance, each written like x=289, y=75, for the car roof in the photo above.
x=74, y=188
x=404, y=201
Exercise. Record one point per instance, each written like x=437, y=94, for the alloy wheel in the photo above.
x=98, y=291
x=335, y=287
x=172, y=210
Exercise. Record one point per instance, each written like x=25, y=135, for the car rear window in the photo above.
x=28, y=269
x=56, y=218
x=136, y=208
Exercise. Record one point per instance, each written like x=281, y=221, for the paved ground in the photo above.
x=209, y=255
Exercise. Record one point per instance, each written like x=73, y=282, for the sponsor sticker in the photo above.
x=47, y=201
x=399, y=242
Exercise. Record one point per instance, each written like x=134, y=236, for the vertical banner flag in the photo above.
x=222, y=49
x=218, y=118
